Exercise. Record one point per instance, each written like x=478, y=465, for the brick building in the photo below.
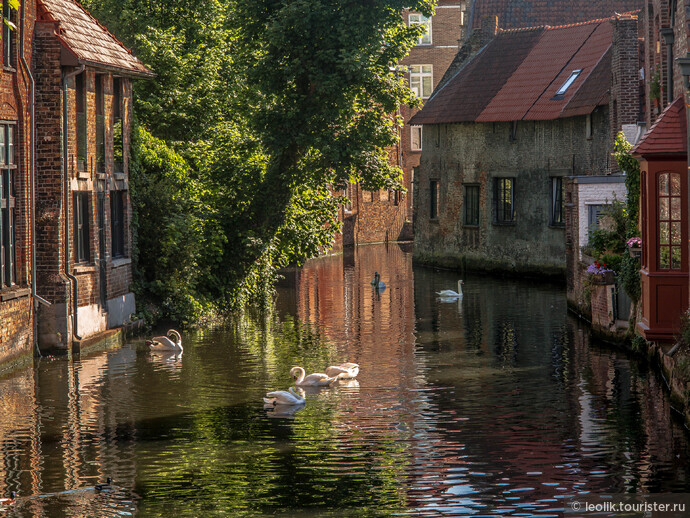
x=454, y=34
x=83, y=121
x=663, y=156
x=501, y=136
x=65, y=119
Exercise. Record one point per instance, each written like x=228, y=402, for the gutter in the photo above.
x=65, y=161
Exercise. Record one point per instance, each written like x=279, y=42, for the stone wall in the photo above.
x=458, y=154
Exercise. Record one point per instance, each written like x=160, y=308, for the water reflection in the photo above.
x=497, y=403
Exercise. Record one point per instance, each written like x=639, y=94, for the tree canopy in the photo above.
x=272, y=105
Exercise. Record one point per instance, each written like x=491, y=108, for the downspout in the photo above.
x=65, y=161
x=32, y=174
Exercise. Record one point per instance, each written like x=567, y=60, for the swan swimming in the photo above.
x=451, y=293
x=343, y=371
x=318, y=379
x=376, y=282
x=164, y=343
x=285, y=397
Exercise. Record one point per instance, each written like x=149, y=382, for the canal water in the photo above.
x=498, y=404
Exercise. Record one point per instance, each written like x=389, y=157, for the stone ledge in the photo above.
x=87, y=268
x=116, y=263
x=14, y=293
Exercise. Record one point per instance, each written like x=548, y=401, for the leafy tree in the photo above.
x=271, y=105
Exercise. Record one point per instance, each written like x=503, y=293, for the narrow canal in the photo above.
x=495, y=405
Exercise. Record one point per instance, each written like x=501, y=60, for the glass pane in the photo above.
x=663, y=234
x=664, y=260
x=663, y=184
x=675, y=184
x=675, y=257
x=414, y=69
x=675, y=209
x=3, y=151
x=426, y=92
x=426, y=69
x=10, y=144
x=663, y=209
x=675, y=233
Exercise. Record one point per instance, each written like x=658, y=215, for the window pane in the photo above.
x=663, y=209
x=426, y=69
x=3, y=148
x=675, y=184
x=664, y=259
x=427, y=86
x=663, y=184
x=663, y=234
x=676, y=257
x=675, y=209
x=675, y=233
x=10, y=144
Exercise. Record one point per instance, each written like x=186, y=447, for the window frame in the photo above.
x=100, y=122
x=81, y=108
x=471, y=203
x=413, y=129
x=417, y=76
x=670, y=221
x=420, y=19
x=82, y=226
x=8, y=38
x=557, y=215
x=118, y=224
x=434, y=198
x=500, y=190
x=569, y=82
x=8, y=193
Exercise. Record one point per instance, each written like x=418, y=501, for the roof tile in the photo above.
x=668, y=135
x=89, y=41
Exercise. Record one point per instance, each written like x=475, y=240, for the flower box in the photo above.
x=606, y=277
x=635, y=251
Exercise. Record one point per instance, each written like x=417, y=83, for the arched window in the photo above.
x=670, y=242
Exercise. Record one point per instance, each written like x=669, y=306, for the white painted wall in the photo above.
x=595, y=194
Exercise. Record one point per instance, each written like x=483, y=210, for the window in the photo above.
x=8, y=41
x=588, y=126
x=118, y=140
x=420, y=19
x=504, y=200
x=670, y=241
x=557, y=201
x=433, y=199
x=416, y=138
x=472, y=205
x=82, y=212
x=7, y=202
x=568, y=82
x=421, y=80
x=117, y=222
x=100, y=124
x=80, y=92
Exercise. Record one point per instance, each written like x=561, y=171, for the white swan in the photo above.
x=451, y=293
x=376, y=282
x=318, y=379
x=285, y=397
x=343, y=371
x=164, y=343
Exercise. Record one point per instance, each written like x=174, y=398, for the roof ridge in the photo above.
x=617, y=16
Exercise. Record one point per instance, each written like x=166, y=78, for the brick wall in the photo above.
x=16, y=315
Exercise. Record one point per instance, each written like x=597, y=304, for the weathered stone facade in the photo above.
x=474, y=154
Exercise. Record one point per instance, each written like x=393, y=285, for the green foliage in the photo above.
x=655, y=85
x=638, y=344
x=259, y=110
x=631, y=167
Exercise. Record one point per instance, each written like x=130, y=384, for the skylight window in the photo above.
x=569, y=81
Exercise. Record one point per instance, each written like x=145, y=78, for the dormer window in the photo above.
x=568, y=82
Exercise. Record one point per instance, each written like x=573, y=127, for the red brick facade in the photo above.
x=92, y=294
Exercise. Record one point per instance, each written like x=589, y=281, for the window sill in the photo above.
x=504, y=223
x=13, y=292
x=415, y=150
x=85, y=268
x=119, y=176
x=473, y=227
x=433, y=220
x=120, y=261
x=557, y=226
x=83, y=175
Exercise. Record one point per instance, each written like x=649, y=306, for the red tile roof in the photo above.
x=518, y=73
x=668, y=135
x=513, y=14
x=90, y=42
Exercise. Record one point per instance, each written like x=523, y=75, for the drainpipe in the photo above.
x=65, y=161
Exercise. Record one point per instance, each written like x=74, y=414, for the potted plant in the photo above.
x=600, y=274
x=635, y=247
